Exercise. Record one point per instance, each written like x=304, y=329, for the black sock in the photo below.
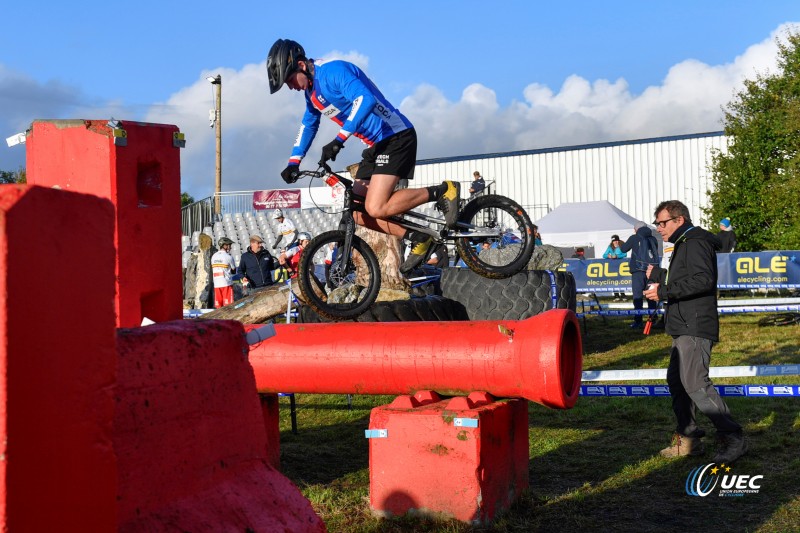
x=435, y=191
x=415, y=236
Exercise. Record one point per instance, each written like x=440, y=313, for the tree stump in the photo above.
x=388, y=250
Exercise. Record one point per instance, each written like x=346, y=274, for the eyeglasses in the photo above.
x=663, y=223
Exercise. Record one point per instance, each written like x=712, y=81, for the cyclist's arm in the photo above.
x=363, y=103
x=308, y=130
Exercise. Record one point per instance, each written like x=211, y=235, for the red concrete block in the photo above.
x=466, y=457
x=190, y=437
x=269, y=408
x=57, y=361
x=137, y=167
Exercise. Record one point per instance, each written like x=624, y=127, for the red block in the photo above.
x=190, y=437
x=137, y=167
x=466, y=457
x=57, y=361
x=270, y=408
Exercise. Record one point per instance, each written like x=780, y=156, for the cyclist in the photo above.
x=341, y=91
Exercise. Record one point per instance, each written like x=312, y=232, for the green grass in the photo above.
x=594, y=466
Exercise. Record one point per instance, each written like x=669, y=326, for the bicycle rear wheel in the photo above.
x=511, y=246
x=351, y=286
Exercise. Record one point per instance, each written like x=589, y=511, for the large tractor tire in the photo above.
x=430, y=308
x=521, y=296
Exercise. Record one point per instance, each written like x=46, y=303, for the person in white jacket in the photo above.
x=223, y=269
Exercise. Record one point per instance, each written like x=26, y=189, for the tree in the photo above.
x=757, y=183
x=186, y=199
x=8, y=176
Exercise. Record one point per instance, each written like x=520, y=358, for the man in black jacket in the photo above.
x=256, y=264
x=689, y=288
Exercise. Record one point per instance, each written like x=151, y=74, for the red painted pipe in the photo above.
x=538, y=358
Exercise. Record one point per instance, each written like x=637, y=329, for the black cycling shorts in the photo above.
x=395, y=156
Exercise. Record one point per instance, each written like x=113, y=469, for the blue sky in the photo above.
x=474, y=77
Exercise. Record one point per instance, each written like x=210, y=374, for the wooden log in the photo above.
x=259, y=306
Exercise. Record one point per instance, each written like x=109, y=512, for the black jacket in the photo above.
x=727, y=241
x=690, y=286
x=636, y=263
x=257, y=268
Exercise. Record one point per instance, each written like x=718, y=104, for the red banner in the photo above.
x=276, y=198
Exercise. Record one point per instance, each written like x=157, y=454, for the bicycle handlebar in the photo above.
x=324, y=170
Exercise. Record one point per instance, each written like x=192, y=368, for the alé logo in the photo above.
x=704, y=479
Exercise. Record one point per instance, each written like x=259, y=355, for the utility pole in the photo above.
x=217, y=80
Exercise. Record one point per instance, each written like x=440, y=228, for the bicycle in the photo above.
x=355, y=274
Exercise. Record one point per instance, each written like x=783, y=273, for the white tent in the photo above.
x=586, y=224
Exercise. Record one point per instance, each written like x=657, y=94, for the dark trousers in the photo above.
x=639, y=282
x=691, y=388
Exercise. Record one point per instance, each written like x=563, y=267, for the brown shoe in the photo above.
x=682, y=446
x=730, y=447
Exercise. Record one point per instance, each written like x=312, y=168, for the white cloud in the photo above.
x=259, y=128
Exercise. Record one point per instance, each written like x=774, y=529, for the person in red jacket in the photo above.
x=290, y=259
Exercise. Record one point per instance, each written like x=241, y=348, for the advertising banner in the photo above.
x=746, y=270
x=754, y=270
x=277, y=198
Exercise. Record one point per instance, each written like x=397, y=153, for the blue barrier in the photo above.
x=721, y=310
x=622, y=391
x=751, y=270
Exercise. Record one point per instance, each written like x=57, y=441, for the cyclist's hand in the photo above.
x=330, y=150
x=290, y=173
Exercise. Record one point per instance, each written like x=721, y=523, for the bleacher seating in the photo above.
x=239, y=226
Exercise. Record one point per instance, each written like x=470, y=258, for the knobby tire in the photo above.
x=307, y=279
x=466, y=245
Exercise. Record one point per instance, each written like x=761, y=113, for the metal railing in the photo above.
x=196, y=216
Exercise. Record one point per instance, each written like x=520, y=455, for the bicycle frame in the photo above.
x=354, y=203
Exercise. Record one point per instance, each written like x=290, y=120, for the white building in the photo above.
x=633, y=175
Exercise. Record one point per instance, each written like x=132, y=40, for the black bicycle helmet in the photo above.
x=282, y=62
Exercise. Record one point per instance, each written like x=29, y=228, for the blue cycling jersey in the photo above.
x=342, y=92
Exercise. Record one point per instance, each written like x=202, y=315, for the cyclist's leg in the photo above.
x=382, y=200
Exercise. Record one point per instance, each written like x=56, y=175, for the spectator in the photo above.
x=613, y=252
x=290, y=259
x=286, y=228
x=223, y=267
x=478, y=185
x=726, y=236
x=438, y=256
x=485, y=245
x=537, y=237
x=689, y=289
x=644, y=252
x=580, y=253
x=256, y=264
x=330, y=255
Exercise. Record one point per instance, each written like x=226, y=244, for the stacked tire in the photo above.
x=429, y=308
x=521, y=296
x=468, y=296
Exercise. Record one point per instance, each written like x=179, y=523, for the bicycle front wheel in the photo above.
x=509, y=245
x=352, y=283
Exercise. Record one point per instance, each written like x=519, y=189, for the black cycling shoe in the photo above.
x=416, y=255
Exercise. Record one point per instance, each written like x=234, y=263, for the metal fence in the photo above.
x=196, y=216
